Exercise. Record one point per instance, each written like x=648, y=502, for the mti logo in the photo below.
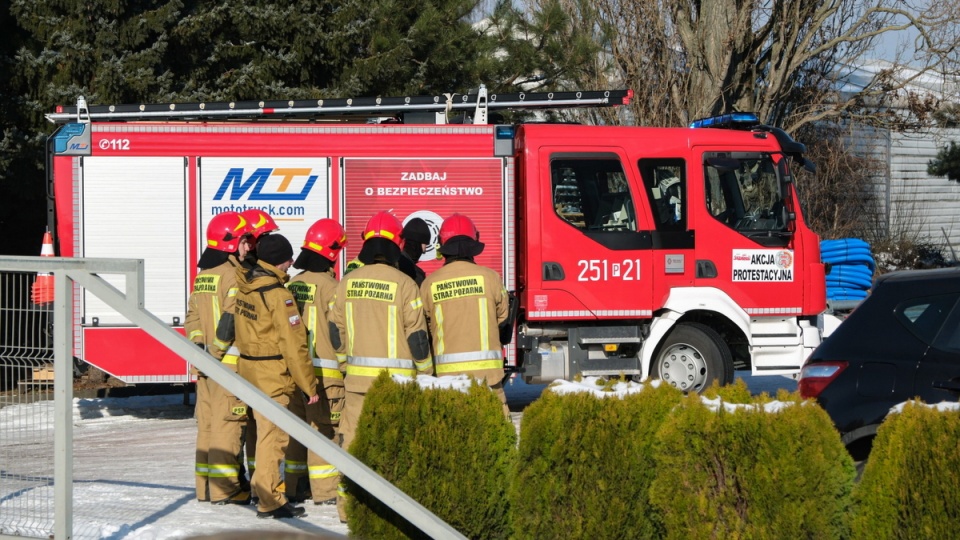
x=258, y=180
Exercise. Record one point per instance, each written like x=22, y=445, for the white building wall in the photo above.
x=927, y=205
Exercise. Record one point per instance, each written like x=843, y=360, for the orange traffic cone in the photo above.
x=42, y=290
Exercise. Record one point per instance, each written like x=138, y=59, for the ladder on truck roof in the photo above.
x=410, y=109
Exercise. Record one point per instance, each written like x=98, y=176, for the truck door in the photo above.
x=746, y=234
x=594, y=257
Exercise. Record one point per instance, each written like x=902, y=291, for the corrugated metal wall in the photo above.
x=927, y=204
x=913, y=201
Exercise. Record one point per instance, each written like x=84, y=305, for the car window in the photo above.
x=949, y=337
x=925, y=316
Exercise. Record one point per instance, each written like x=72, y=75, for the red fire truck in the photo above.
x=678, y=253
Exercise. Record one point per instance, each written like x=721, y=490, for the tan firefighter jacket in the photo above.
x=465, y=304
x=314, y=292
x=376, y=309
x=214, y=292
x=270, y=334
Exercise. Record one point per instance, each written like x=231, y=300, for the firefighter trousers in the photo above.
x=250, y=446
x=304, y=471
x=221, y=419
x=349, y=419
x=271, y=446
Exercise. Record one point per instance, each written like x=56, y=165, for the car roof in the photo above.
x=937, y=277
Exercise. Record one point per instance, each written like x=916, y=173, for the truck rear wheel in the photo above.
x=693, y=356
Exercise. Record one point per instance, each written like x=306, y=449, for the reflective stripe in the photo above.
x=323, y=471
x=484, y=326
x=469, y=361
x=425, y=364
x=295, y=467
x=598, y=313
x=216, y=310
x=477, y=365
x=329, y=373
x=438, y=316
x=232, y=291
x=251, y=464
x=222, y=345
x=229, y=359
x=774, y=311
x=385, y=363
x=195, y=334
x=325, y=363
x=375, y=371
x=341, y=490
x=312, y=330
x=202, y=469
x=328, y=369
x=416, y=303
x=350, y=333
x=392, y=332
x=223, y=471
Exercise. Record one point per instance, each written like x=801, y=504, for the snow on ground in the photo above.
x=133, y=469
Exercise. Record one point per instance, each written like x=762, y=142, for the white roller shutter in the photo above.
x=135, y=208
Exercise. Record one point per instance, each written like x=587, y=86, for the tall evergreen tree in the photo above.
x=110, y=51
x=252, y=49
x=105, y=50
x=410, y=47
x=21, y=179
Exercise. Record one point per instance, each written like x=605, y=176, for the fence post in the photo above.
x=63, y=407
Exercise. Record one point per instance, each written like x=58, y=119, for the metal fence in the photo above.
x=36, y=450
x=26, y=376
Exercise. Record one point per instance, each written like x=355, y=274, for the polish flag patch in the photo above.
x=294, y=320
x=288, y=302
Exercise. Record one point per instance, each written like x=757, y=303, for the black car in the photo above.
x=902, y=342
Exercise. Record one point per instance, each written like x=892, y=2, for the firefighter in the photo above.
x=221, y=417
x=377, y=320
x=416, y=236
x=314, y=290
x=274, y=358
x=467, y=309
x=260, y=224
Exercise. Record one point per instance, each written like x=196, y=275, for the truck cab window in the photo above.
x=591, y=193
x=744, y=192
x=665, y=181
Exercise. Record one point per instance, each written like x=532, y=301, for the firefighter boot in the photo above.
x=286, y=511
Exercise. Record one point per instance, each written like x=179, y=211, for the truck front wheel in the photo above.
x=693, y=356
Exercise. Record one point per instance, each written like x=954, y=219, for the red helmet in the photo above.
x=458, y=225
x=383, y=225
x=325, y=237
x=260, y=222
x=225, y=231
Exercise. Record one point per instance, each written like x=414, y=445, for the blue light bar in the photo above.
x=740, y=120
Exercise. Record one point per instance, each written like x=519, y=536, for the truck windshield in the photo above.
x=744, y=192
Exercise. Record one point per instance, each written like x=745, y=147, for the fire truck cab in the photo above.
x=676, y=253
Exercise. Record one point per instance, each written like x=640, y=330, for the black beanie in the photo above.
x=416, y=230
x=274, y=249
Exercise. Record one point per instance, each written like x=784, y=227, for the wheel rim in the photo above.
x=683, y=366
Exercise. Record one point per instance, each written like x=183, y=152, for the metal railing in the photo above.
x=15, y=481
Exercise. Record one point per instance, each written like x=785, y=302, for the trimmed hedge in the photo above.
x=585, y=463
x=450, y=451
x=911, y=484
x=750, y=473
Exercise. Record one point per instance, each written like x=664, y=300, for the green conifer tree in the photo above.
x=416, y=47
x=947, y=162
